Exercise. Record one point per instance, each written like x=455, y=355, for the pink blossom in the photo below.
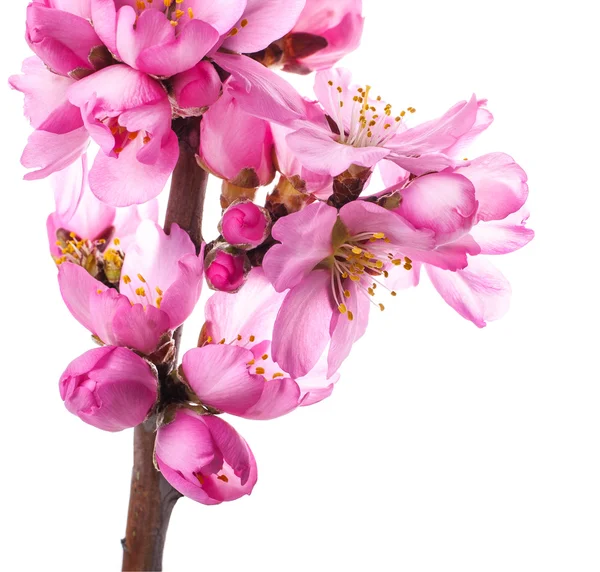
x=235, y=145
x=331, y=263
x=160, y=283
x=233, y=370
x=364, y=130
x=64, y=41
x=245, y=225
x=338, y=22
x=81, y=219
x=226, y=269
x=262, y=22
x=204, y=458
x=163, y=38
x=110, y=388
x=128, y=114
x=474, y=209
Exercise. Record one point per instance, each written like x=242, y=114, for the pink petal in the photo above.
x=125, y=180
x=219, y=376
x=450, y=256
x=138, y=327
x=319, y=151
x=69, y=186
x=344, y=331
x=251, y=312
x=361, y=216
x=250, y=148
x=104, y=17
x=279, y=397
x=306, y=241
x=260, y=91
x=503, y=236
x=197, y=87
x=479, y=293
x=442, y=202
x=500, y=185
x=266, y=21
x=221, y=15
x=301, y=331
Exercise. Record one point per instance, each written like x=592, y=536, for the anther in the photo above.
x=126, y=279
x=244, y=23
x=142, y=279
x=223, y=478
x=260, y=370
x=251, y=338
x=158, y=290
x=342, y=308
x=350, y=316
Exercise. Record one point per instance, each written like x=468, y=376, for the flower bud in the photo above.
x=110, y=388
x=245, y=225
x=204, y=458
x=225, y=269
x=195, y=89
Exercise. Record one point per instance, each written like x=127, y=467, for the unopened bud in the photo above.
x=226, y=269
x=245, y=225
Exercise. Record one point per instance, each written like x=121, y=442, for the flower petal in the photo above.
x=503, y=236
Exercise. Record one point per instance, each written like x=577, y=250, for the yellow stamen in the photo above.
x=251, y=338
x=278, y=374
x=140, y=291
x=244, y=23
x=117, y=242
x=342, y=308
x=265, y=357
x=223, y=478
x=260, y=370
x=142, y=279
x=350, y=316
x=158, y=290
x=126, y=279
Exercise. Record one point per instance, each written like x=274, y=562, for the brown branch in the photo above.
x=151, y=497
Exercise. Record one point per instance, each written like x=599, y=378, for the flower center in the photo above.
x=122, y=136
x=371, y=121
x=173, y=9
x=144, y=293
x=363, y=258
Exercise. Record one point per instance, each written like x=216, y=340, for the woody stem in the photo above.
x=152, y=498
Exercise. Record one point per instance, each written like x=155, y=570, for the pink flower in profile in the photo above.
x=235, y=145
x=226, y=269
x=87, y=224
x=362, y=130
x=62, y=36
x=338, y=22
x=332, y=262
x=110, y=388
x=233, y=370
x=245, y=225
x=473, y=210
x=204, y=458
x=161, y=281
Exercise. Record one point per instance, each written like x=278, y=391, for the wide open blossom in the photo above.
x=204, y=458
x=473, y=210
x=110, y=388
x=160, y=283
x=125, y=111
x=338, y=24
x=87, y=232
x=233, y=370
x=363, y=130
x=332, y=263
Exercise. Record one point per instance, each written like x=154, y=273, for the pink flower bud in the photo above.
x=110, y=388
x=245, y=225
x=204, y=458
x=226, y=271
x=196, y=88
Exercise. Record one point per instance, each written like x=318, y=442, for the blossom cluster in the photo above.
x=295, y=277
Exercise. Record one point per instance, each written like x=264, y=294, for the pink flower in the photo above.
x=363, y=131
x=338, y=22
x=331, y=263
x=204, y=458
x=226, y=269
x=475, y=209
x=160, y=283
x=110, y=388
x=64, y=41
x=245, y=225
x=163, y=38
x=235, y=145
x=84, y=230
x=128, y=114
x=232, y=371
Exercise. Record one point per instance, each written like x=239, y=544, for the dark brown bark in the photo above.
x=151, y=497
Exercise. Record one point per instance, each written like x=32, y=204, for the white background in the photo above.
x=444, y=447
